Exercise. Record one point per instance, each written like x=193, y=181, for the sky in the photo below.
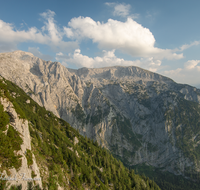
x=160, y=36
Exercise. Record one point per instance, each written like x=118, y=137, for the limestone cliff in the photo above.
x=142, y=117
x=39, y=149
x=24, y=174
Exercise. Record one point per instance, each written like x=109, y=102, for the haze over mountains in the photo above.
x=140, y=116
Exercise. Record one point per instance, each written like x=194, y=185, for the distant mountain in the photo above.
x=40, y=151
x=140, y=116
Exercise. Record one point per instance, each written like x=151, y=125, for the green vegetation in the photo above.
x=19, y=187
x=9, y=144
x=29, y=157
x=4, y=119
x=61, y=161
x=166, y=180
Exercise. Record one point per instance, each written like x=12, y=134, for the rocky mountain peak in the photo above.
x=115, y=73
x=140, y=116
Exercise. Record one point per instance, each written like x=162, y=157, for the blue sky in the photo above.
x=160, y=36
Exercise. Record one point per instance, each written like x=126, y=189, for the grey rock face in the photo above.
x=24, y=172
x=140, y=116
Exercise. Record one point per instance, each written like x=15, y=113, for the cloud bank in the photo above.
x=108, y=59
x=129, y=37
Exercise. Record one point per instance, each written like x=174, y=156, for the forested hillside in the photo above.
x=65, y=158
x=141, y=117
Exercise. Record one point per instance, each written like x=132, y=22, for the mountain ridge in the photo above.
x=140, y=118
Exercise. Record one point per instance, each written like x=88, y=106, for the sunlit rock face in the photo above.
x=23, y=175
x=140, y=116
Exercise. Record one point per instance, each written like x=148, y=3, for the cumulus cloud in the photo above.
x=129, y=37
x=56, y=34
x=9, y=38
x=108, y=59
x=49, y=35
x=189, y=74
x=192, y=64
x=176, y=72
x=51, y=27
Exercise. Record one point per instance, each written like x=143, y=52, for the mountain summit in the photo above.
x=140, y=116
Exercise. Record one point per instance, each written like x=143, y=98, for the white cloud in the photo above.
x=186, y=46
x=129, y=37
x=108, y=59
x=9, y=38
x=51, y=27
x=56, y=34
x=49, y=35
x=68, y=32
x=134, y=16
x=120, y=9
x=190, y=74
x=192, y=64
x=110, y=4
x=176, y=72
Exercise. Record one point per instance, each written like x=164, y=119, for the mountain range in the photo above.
x=139, y=116
x=40, y=151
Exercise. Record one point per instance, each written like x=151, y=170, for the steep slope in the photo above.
x=40, y=151
x=140, y=116
x=17, y=136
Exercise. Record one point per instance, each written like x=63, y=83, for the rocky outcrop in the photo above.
x=136, y=114
x=25, y=172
